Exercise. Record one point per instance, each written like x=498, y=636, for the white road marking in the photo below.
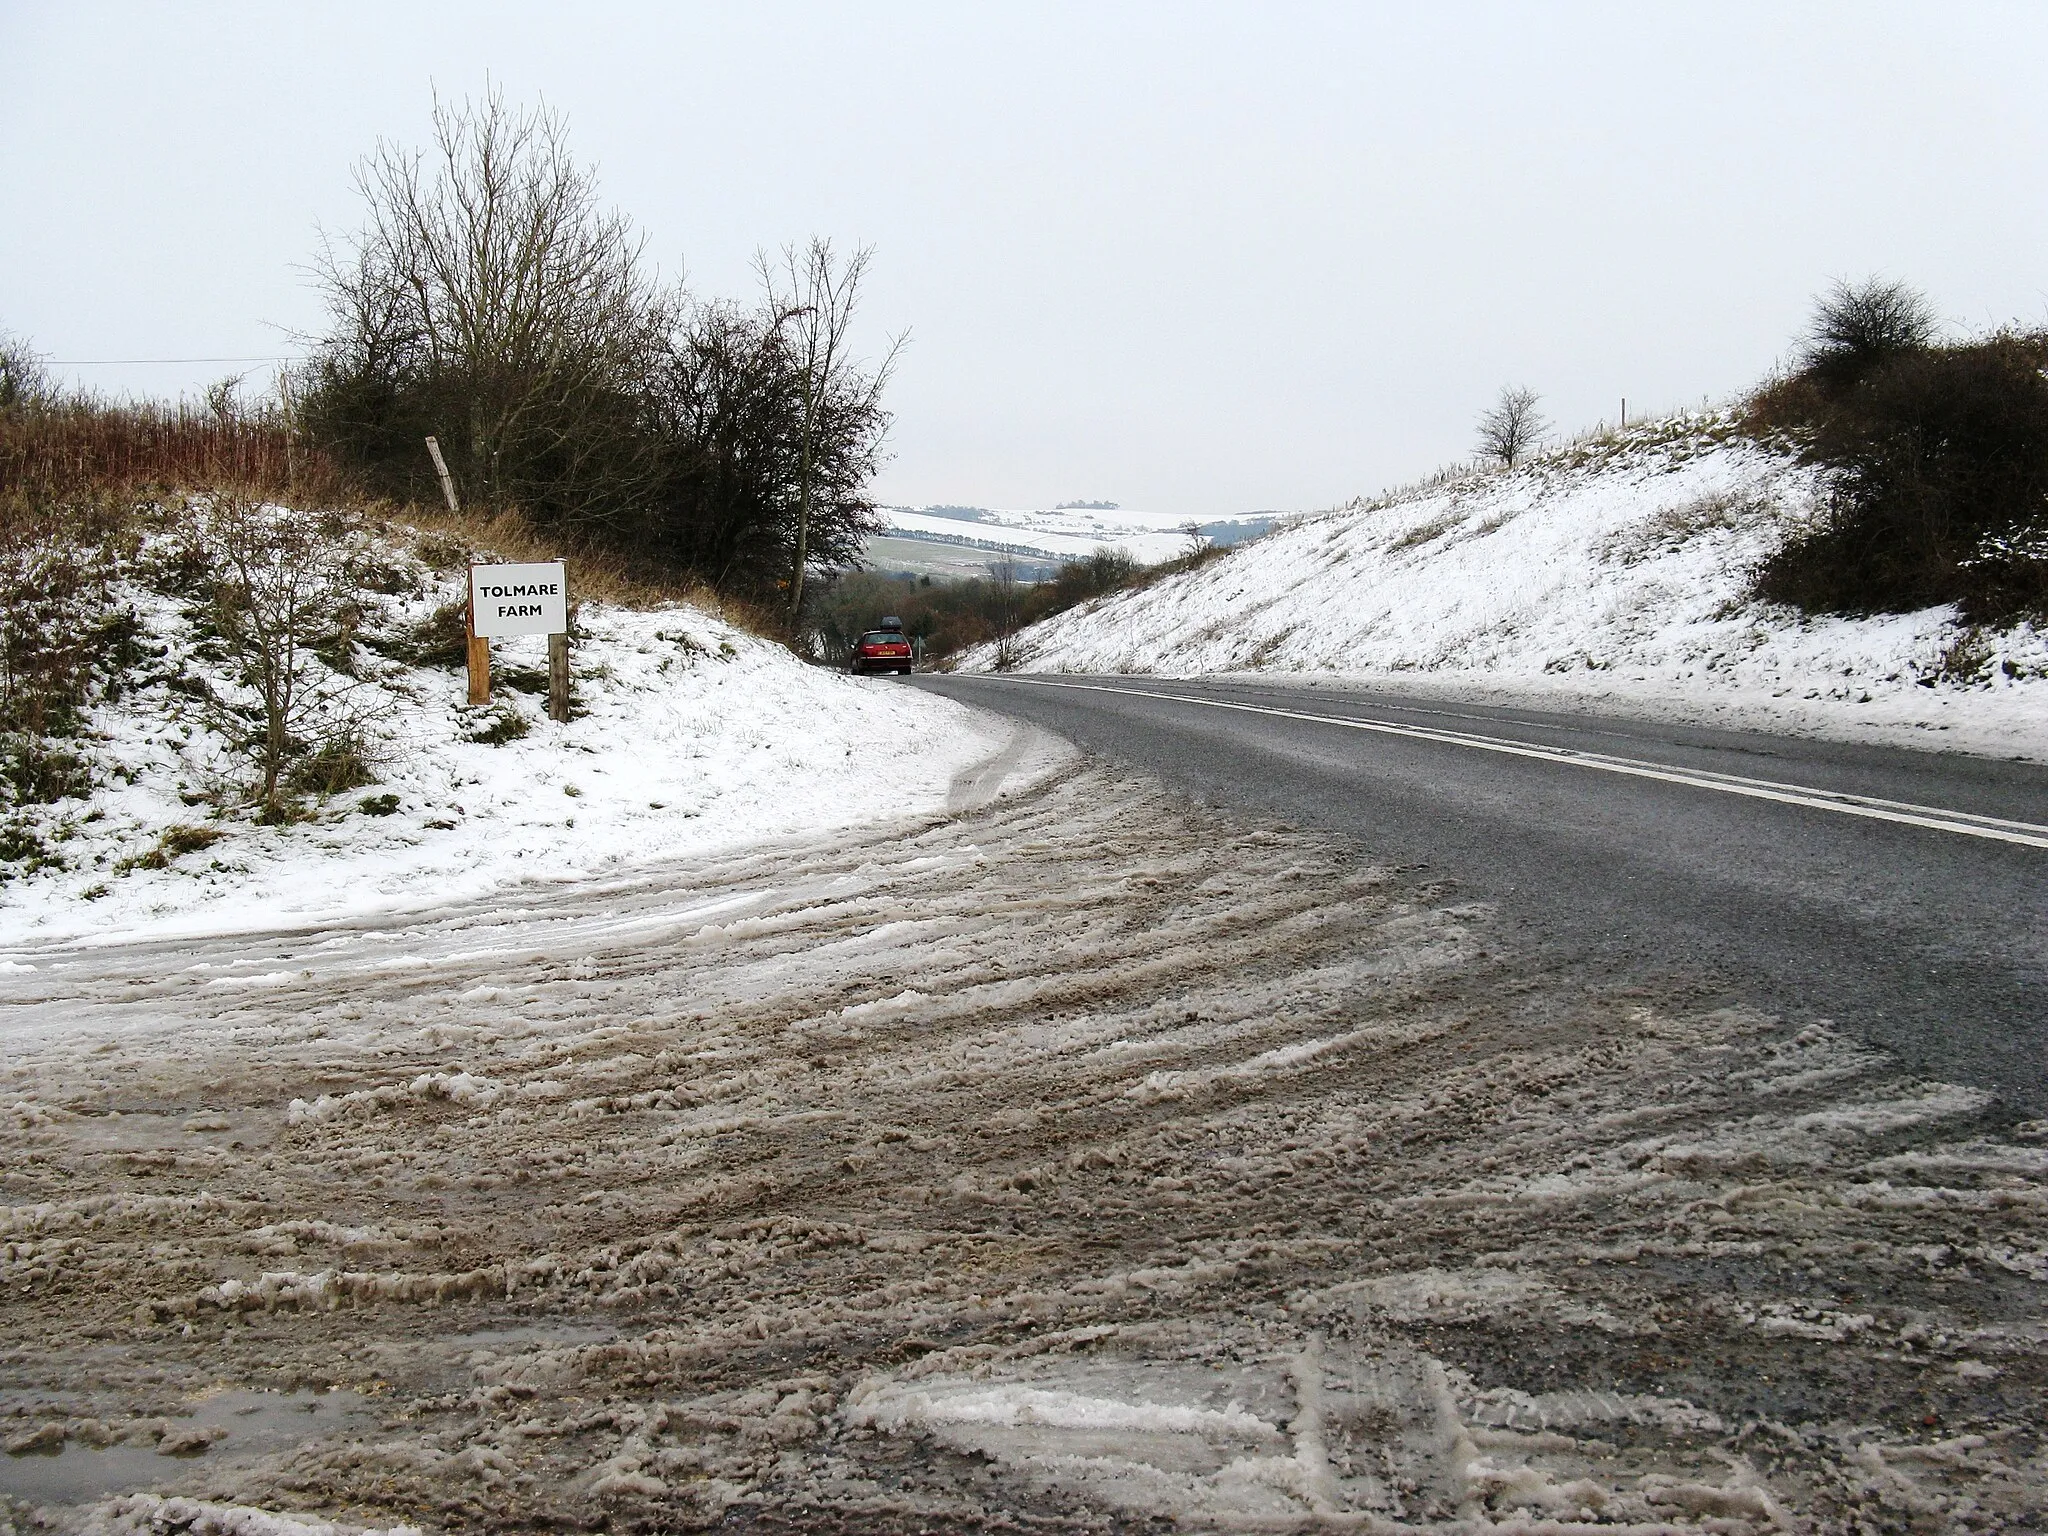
x=2026, y=833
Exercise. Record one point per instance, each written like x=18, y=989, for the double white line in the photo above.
x=2026, y=833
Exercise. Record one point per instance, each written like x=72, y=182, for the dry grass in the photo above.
x=447, y=539
x=82, y=447
x=83, y=453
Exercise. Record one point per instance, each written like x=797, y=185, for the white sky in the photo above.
x=1193, y=258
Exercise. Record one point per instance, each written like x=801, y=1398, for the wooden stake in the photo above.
x=558, y=677
x=441, y=469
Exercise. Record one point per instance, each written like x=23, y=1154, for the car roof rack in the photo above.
x=892, y=622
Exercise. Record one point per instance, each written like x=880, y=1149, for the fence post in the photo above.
x=441, y=469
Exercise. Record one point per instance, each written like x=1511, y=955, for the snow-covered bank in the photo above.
x=1613, y=574
x=691, y=736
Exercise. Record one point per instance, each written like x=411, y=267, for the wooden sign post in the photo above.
x=479, y=653
x=558, y=677
x=520, y=600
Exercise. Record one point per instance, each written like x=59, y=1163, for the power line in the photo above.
x=126, y=362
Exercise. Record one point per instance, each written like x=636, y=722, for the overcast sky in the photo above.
x=1192, y=258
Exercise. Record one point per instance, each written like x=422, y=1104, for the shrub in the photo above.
x=56, y=561
x=282, y=582
x=341, y=763
x=1857, y=325
x=20, y=843
x=530, y=680
x=35, y=773
x=23, y=379
x=500, y=726
x=1936, y=461
x=187, y=839
x=378, y=805
x=441, y=639
x=174, y=843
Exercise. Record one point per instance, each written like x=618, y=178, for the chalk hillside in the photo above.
x=1614, y=572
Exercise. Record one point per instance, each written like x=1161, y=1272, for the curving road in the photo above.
x=1900, y=894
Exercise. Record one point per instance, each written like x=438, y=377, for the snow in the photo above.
x=147, y=1515
x=1611, y=573
x=693, y=736
x=892, y=1406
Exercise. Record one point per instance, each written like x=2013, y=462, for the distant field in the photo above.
x=959, y=543
x=942, y=561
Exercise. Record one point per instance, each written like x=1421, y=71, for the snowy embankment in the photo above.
x=1612, y=573
x=690, y=735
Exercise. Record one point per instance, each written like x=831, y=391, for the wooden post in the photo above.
x=558, y=660
x=441, y=469
x=558, y=677
x=479, y=655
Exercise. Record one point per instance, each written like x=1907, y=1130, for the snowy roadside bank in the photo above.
x=1613, y=577
x=690, y=736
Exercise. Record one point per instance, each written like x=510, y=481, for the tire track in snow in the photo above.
x=1083, y=1156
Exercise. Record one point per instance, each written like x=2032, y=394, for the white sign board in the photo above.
x=520, y=599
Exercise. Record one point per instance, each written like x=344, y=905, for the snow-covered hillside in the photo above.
x=1613, y=571
x=690, y=735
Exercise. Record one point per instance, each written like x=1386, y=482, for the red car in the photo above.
x=881, y=650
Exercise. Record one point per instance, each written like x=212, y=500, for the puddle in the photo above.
x=247, y=1424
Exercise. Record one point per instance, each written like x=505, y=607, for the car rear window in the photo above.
x=883, y=637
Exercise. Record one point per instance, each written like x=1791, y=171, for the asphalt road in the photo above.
x=1899, y=894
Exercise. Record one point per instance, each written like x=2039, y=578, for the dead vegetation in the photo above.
x=72, y=451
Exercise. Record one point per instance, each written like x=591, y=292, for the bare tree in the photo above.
x=1006, y=607
x=281, y=582
x=223, y=399
x=812, y=295
x=23, y=380
x=1511, y=427
x=490, y=286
